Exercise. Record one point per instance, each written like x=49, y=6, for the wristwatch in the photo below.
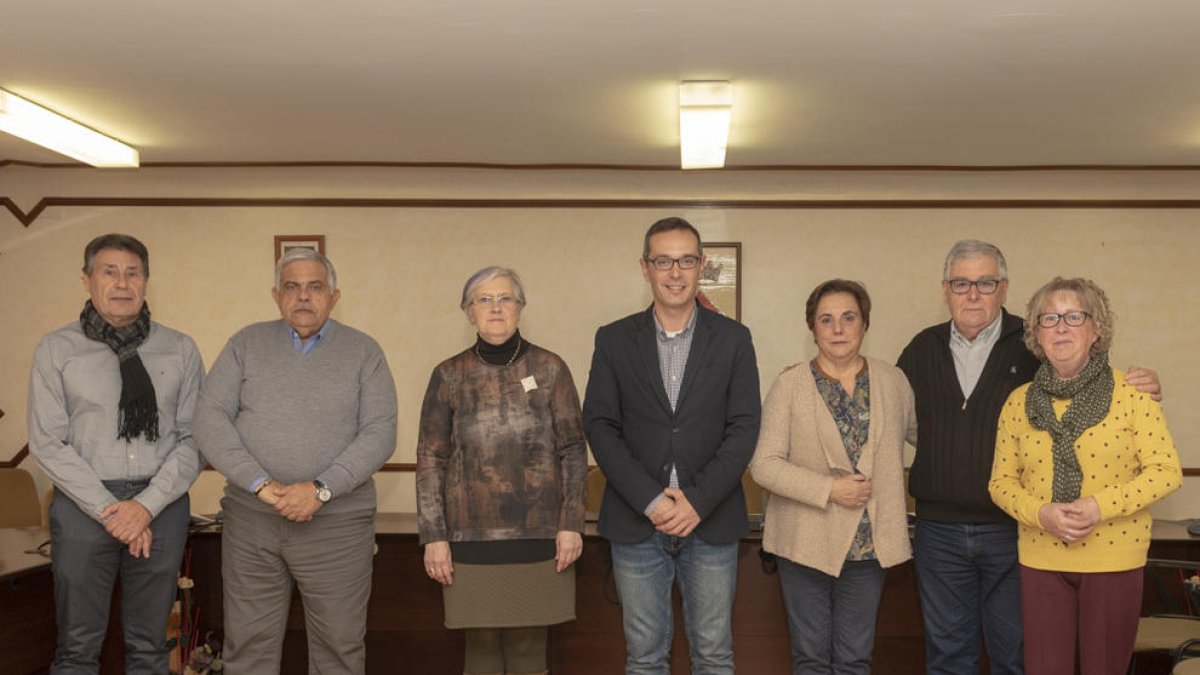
x=323, y=492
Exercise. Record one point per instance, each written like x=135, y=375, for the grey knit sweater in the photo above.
x=267, y=410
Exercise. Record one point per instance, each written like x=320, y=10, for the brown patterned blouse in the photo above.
x=500, y=454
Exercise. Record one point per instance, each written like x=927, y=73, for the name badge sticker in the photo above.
x=529, y=383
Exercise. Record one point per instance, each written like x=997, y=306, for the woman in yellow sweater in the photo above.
x=1080, y=457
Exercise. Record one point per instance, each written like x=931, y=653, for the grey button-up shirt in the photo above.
x=971, y=356
x=74, y=397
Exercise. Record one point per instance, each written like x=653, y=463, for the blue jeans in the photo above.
x=970, y=584
x=707, y=576
x=831, y=619
x=86, y=560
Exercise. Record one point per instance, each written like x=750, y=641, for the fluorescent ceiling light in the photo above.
x=48, y=129
x=705, y=108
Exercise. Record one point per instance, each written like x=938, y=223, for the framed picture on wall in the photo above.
x=721, y=278
x=286, y=242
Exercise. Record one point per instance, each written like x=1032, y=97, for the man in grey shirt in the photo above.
x=111, y=397
x=298, y=414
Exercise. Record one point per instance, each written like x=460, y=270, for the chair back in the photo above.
x=755, y=500
x=595, y=491
x=19, y=505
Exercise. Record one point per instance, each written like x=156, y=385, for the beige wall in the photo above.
x=401, y=269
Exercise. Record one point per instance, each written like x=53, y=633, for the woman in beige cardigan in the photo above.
x=830, y=452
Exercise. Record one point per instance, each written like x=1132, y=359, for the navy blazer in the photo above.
x=710, y=437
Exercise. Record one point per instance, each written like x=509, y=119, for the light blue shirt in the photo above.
x=305, y=348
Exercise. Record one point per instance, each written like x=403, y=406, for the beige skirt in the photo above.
x=509, y=596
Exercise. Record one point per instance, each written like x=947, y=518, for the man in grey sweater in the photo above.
x=298, y=414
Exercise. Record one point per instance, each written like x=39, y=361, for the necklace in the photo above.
x=510, y=359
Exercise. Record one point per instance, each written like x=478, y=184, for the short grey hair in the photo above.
x=487, y=274
x=973, y=248
x=298, y=253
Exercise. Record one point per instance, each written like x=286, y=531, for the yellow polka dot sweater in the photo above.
x=1128, y=461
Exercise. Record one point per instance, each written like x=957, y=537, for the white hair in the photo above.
x=298, y=253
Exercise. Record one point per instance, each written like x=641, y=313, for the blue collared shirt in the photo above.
x=303, y=347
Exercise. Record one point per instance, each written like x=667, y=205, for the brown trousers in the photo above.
x=1094, y=613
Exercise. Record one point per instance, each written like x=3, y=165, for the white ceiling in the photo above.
x=816, y=82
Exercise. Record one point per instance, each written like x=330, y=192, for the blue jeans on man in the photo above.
x=86, y=561
x=969, y=584
x=707, y=576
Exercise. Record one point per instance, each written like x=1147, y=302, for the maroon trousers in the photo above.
x=1096, y=611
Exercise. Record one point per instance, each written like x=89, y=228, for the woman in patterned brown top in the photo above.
x=501, y=470
x=829, y=451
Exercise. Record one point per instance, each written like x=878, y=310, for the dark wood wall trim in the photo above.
x=399, y=466
x=391, y=466
x=27, y=218
x=16, y=459
x=618, y=167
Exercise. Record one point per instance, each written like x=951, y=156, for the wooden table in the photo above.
x=27, y=629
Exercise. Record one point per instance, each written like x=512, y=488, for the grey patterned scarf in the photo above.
x=139, y=403
x=1090, y=393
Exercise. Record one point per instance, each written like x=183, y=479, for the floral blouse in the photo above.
x=852, y=413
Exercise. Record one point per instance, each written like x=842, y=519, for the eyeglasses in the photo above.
x=502, y=300
x=963, y=286
x=1073, y=319
x=665, y=263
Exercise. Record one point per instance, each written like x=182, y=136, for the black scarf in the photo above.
x=139, y=403
x=1090, y=393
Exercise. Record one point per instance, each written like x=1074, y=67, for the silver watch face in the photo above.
x=324, y=494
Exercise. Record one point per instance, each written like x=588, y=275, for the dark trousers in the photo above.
x=86, y=560
x=969, y=584
x=1097, y=610
x=831, y=619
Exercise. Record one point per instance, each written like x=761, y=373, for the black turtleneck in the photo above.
x=504, y=353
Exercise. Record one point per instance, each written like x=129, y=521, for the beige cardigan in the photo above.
x=800, y=453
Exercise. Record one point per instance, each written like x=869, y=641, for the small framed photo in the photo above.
x=286, y=242
x=721, y=278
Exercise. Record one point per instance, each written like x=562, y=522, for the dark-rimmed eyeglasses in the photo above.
x=1073, y=319
x=665, y=262
x=963, y=286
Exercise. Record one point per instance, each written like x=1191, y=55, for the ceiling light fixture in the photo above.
x=705, y=108
x=32, y=122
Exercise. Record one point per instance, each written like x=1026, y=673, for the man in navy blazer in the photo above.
x=672, y=414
